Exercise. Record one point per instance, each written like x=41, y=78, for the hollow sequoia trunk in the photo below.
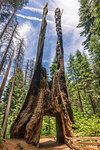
x=30, y=116
x=60, y=61
x=42, y=99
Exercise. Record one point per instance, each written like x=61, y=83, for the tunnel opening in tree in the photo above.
x=48, y=126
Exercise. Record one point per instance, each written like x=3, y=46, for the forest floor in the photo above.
x=45, y=144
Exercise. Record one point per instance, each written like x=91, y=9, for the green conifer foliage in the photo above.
x=18, y=97
x=90, y=22
x=53, y=67
x=80, y=78
x=48, y=126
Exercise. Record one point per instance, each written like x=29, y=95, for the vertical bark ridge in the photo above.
x=60, y=61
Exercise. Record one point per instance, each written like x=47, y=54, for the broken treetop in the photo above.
x=59, y=48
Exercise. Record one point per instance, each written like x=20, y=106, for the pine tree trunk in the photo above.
x=4, y=127
x=92, y=104
x=31, y=71
x=89, y=96
x=79, y=97
x=6, y=75
x=60, y=59
x=7, y=49
x=81, y=105
x=5, y=120
x=26, y=71
x=5, y=28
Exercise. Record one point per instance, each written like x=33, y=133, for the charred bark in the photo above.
x=43, y=99
x=21, y=126
x=60, y=61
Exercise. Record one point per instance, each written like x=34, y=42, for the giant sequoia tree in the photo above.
x=44, y=99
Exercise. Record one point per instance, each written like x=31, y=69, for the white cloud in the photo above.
x=48, y=21
x=46, y=61
x=29, y=17
x=38, y=10
x=28, y=32
x=70, y=16
x=70, y=19
x=70, y=10
x=25, y=29
x=36, y=3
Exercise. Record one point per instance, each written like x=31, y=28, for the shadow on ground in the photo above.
x=49, y=144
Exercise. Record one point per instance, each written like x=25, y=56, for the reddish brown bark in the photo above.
x=5, y=120
x=60, y=60
x=26, y=72
x=6, y=75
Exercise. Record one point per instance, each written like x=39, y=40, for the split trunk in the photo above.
x=43, y=98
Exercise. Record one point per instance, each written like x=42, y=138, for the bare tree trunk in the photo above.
x=81, y=105
x=26, y=72
x=5, y=120
x=6, y=75
x=5, y=28
x=31, y=69
x=89, y=96
x=92, y=104
x=60, y=58
x=7, y=49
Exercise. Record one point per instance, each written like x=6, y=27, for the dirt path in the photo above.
x=45, y=144
x=51, y=144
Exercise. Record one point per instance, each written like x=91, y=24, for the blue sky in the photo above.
x=29, y=27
